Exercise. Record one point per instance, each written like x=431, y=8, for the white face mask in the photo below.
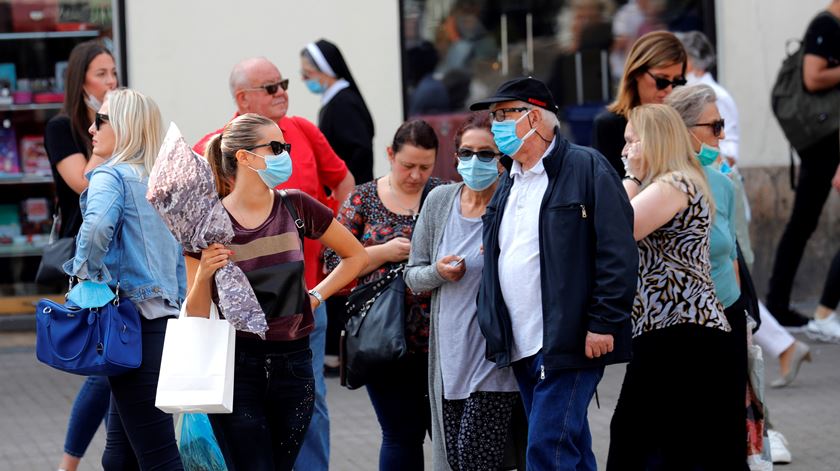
x=92, y=102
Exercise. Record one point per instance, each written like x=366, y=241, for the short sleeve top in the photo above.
x=822, y=38
x=271, y=257
x=675, y=282
x=60, y=144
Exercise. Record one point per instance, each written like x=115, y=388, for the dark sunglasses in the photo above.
x=276, y=147
x=499, y=114
x=100, y=118
x=717, y=126
x=271, y=88
x=465, y=154
x=663, y=83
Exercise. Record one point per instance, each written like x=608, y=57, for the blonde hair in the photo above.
x=655, y=49
x=666, y=146
x=241, y=133
x=138, y=132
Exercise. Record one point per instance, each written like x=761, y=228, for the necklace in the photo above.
x=411, y=211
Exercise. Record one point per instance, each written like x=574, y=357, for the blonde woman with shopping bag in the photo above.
x=273, y=391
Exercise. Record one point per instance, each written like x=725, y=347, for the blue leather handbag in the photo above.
x=99, y=341
x=102, y=341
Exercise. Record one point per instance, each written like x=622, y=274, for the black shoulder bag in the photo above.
x=373, y=339
x=56, y=252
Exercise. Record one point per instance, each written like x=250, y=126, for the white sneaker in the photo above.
x=824, y=330
x=778, y=447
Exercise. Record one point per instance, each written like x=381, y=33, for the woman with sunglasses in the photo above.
x=655, y=65
x=274, y=388
x=91, y=73
x=382, y=215
x=123, y=245
x=682, y=401
x=471, y=400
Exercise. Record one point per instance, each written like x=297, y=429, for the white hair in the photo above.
x=549, y=117
x=239, y=78
x=691, y=101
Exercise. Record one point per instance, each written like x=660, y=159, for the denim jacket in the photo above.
x=150, y=263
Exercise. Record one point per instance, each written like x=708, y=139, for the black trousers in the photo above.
x=819, y=162
x=141, y=436
x=682, y=406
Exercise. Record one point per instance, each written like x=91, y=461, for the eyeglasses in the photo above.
x=663, y=83
x=276, y=147
x=464, y=154
x=271, y=88
x=716, y=125
x=100, y=118
x=499, y=114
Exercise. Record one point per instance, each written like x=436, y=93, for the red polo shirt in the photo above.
x=314, y=166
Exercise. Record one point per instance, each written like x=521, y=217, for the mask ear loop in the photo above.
x=534, y=130
x=258, y=155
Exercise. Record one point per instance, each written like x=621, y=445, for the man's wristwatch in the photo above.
x=633, y=178
x=317, y=296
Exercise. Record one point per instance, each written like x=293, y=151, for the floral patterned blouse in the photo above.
x=373, y=224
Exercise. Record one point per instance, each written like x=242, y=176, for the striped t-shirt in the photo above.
x=272, y=259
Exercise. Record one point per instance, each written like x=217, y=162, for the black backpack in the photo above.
x=805, y=117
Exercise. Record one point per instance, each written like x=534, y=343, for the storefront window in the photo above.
x=457, y=51
x=36, y=37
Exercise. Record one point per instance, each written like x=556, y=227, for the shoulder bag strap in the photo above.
x=293, y=212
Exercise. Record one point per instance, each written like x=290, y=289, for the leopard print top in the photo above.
x=675, y=282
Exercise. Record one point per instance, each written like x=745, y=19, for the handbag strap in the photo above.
x=294, y=213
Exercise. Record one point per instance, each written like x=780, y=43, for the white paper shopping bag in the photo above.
x=196, y=370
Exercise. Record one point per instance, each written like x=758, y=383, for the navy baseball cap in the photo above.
x=527, y=89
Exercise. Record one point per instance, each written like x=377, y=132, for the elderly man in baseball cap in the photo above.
x=560, y=268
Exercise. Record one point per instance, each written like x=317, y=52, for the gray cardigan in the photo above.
x=422, y=275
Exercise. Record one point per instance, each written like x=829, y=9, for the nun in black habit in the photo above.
x=344, y=117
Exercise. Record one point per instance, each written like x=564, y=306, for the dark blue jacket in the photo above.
x=588, y=261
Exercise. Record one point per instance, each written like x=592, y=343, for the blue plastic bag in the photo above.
x=198, y=447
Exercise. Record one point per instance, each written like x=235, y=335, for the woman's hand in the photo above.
x=397, y=249
x=635, y=163
x=213, y=257
x=313, y=303
x=449, y=269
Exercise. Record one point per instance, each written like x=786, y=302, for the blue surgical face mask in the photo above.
x=504, y=134
x=315, y=86
x=478, y=175
x=278, y=169
x=708, y=154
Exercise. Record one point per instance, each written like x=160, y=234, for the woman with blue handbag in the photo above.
x=91, y=73
x=123, y=246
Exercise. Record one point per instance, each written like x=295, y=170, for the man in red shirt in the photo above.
x=258, y=87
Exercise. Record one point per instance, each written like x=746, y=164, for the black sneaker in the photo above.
x=790, y=319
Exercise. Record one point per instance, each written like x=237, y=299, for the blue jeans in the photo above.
x=401, y=401
x=89, y=409
x=141, y=436
x=315, y=453
x=557, y=408
x=273, y=394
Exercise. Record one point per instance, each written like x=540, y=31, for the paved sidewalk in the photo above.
x=35, y=401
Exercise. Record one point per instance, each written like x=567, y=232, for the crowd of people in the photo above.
x=546, y=263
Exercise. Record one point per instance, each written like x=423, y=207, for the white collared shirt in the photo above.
x=728, y=111
x=519, y=257
x=331, y=92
